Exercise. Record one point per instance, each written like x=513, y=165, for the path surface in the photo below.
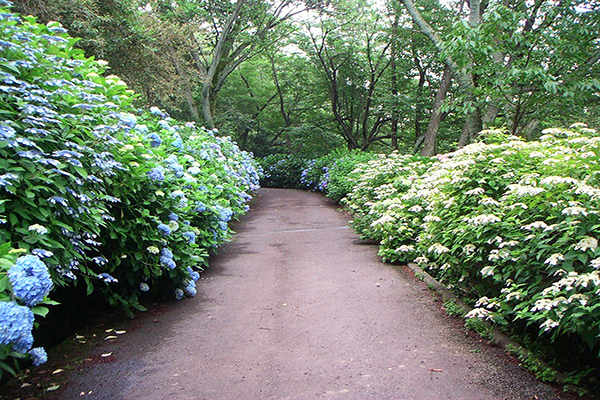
x=296, y=307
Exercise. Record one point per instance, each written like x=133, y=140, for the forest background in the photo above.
x=284, y=76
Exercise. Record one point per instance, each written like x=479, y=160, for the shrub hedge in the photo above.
x=95, y=192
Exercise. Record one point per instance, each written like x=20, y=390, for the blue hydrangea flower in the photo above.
x=39, y=356
x=142, y=128
x=100, y=260
x=190, y=289
x=157, y=111
x=164, y=229
x=30, y=279
x=58, y=200
x=157, y=174
x=166, y=252
x=128, y=120
x=178, y=294
x=42, y=253
x=177, y=143
x=144, y=287
x=107, y=278
x=193, y=274
x=169, y=263
x=190, y=236
x=16, y=324
x=173, y=217
x=155, y=139
x=6, y=132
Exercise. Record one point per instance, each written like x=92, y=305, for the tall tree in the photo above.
x=350, y=48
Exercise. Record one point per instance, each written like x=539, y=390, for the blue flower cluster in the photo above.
x=38, y=355
x=166, y=258
x=174, y=165
x=155, y=140
x=190, y=236
x=157, y=174
x=16, y=324
x=164, y=229
x=30, y=280
x=107, y=278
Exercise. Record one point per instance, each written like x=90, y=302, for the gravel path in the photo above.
x=296, y=307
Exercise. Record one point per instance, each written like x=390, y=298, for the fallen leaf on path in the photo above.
x=435, y=370
x=120, y=332
x=111, y=337
x=57, y=371
x=106, y=354
x=52, y=388
x=24, y=385
x=109, y=330
x=79, y=337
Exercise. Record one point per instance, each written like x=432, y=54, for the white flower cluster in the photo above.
x=482, y=219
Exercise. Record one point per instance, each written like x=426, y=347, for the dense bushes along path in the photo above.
x=297, y=307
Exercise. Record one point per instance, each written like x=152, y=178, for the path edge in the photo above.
x=498, y=338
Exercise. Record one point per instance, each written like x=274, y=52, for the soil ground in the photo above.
x=295, y=307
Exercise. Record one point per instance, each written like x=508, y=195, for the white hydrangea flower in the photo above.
x=556, y=180
x=42, y=230
x=488, y=201
x=575, y=211
x=587, y=243
x=421, y=260
x=487, y=271
x=480, y=313
x=438, y=248
x=537, y=225
x=475, y=192
x=469, y=249
x=405, y=248
x=524, y=190
x=383, y=220
x=549, y=324
x=482, y=219
x=554, y=259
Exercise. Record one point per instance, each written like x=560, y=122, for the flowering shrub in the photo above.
x=338, y=177
x=330, y=174
x=512, y=224
x=121, y=200
x=282, y=171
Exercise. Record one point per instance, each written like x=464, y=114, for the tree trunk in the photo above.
x=465, y=81
x=429, y=145
x=185, y=85
x=394, y=84
x=205, y=103
x=211, y=73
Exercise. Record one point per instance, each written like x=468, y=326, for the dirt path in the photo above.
x=297, y=308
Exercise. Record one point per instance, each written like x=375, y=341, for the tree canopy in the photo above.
x=306, y=77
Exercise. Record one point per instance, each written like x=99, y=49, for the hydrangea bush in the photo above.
x=330, y=174
x=122, y=200
x=511, y=224
x=282, y=171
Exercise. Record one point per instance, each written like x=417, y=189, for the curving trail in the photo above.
x=296, y=307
